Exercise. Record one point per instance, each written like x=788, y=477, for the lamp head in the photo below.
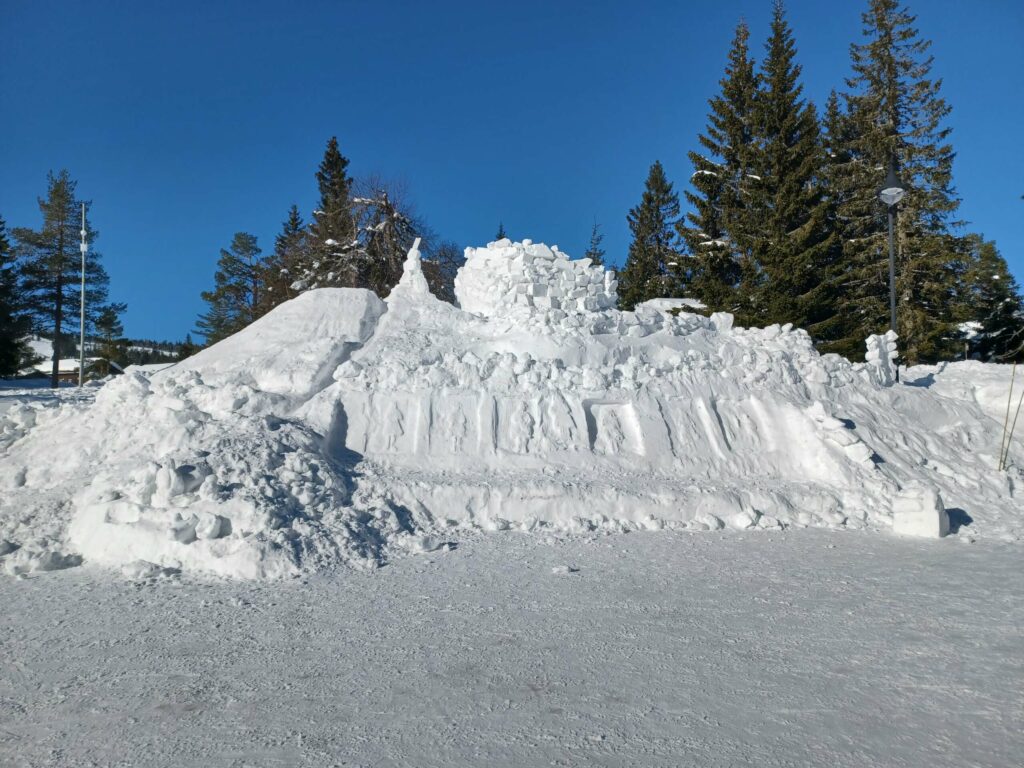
x=893, y=189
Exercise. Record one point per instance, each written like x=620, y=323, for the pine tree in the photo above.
x=995, y=303
x=654, y=248
x=791, y=246
x=280, y=269
x=718, y=227
x=51, y=266
x=235, y=300
x=894, y=114
x=595, y=251
x=333, y=230
x=500, y=235
x=13, y=325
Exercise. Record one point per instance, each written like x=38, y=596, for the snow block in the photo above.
x=918, y=511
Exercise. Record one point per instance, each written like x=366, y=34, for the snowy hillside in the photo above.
x=343, y=429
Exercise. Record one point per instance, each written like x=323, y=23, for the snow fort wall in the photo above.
x=528, y=277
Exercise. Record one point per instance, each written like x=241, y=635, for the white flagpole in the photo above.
x=81, y=321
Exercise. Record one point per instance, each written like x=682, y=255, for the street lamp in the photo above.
x=891, y=193
x=84, y=248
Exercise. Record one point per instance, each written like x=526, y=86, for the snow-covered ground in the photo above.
x=533, y=530
x=794, y=648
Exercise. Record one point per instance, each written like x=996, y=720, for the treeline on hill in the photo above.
x=358, y=237
x=784, y=223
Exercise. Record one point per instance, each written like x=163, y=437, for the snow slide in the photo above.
x=340, y=429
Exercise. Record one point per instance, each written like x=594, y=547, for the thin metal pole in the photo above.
x=81, y=318
x=1006, y=421
x=892, y=284
x=1009, y=437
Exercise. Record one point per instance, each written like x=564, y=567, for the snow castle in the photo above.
x=340, y=427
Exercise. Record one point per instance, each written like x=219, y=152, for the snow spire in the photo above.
x=413, y=280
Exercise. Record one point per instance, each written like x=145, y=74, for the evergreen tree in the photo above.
x=51, y=266
x=894, y=114
x=13, y=325
x=280, y=269
x=234, y=301
x=655, y=243
x=718, y=229
x=595, y=252
x=791, y=248
x=501, y=232
x=995, y=303
x=187, y=348
x=332, y=234
x=112, y=346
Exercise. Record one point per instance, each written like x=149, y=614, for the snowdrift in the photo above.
x=340, y=429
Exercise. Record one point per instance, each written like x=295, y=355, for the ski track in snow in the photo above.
x=795, y=648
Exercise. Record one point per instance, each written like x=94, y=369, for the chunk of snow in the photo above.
x=918, y=510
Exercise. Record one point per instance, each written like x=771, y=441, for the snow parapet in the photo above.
x=528, y=277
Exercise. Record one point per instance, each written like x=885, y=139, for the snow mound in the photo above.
x=293, y=349
x=340, y=429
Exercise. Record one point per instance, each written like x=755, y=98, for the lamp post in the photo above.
x=84, y=248
x=891, y=193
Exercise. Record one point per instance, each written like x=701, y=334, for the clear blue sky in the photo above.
x=185, y=122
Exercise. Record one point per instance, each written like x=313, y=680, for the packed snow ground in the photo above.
x=793, y=648
x=342, y=429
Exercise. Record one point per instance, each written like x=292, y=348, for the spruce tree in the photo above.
x=333, y=230
x=995, y=303
x=187, y=348
x=500, y=235
x=280, y=269
x=112, y=345
x=791, y=246
x=718, y=230
x=13, y=325
x=595, y=251
x=51, y=267
x=654, y=248
x=894, y=114
x=234, y=301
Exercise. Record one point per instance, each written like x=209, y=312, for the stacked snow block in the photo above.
x=505, y=277
x=881, y=356
x=918, y=510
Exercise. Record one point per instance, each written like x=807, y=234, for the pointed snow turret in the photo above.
x=413, y=281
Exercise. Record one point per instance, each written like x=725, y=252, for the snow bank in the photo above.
x=339, y=429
